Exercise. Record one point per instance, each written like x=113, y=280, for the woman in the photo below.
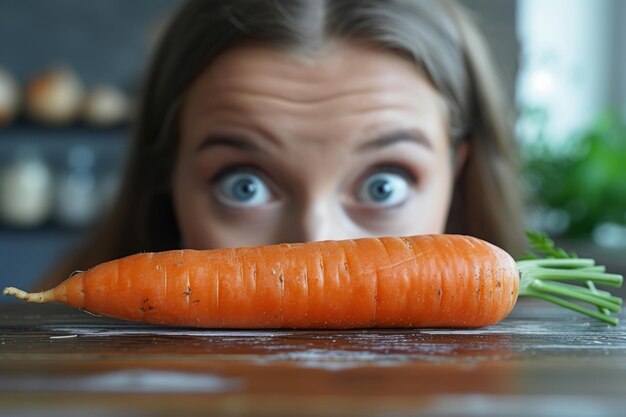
x=293, y=120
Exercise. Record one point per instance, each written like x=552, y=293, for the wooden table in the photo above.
x=540, y=361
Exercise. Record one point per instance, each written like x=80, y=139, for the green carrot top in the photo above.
x=554, y=275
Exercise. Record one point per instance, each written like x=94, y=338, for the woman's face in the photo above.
x=278, y=147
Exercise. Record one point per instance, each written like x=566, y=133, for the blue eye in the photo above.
x=242, y=189
x=384, y=189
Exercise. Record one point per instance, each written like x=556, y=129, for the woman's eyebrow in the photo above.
x=395, y=136
x=228, y=140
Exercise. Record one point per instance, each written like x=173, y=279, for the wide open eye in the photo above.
x=242, y=189
x=385, y=188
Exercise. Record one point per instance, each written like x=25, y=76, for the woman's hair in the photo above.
x=438, y=36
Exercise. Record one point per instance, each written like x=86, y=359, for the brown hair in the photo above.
x=439, y=36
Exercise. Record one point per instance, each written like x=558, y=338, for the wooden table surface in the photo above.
x=540, y=361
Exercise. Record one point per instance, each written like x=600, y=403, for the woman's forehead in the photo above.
x=343, y=86
x=340, y=70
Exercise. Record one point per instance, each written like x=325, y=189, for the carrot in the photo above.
x=417, y=281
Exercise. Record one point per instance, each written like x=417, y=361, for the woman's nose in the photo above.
x=319, y=220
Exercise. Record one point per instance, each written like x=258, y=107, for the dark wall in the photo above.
x=108, y=40
x=104, y=40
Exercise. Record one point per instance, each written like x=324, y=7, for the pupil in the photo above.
x=245, y=189
x=381, y=189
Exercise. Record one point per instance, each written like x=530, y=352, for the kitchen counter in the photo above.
x=541, y=361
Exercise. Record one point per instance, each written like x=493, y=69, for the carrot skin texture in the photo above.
x=402, y=282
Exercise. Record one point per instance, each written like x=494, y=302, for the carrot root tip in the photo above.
x=37, y=297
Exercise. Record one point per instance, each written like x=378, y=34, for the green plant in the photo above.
x=585, y=178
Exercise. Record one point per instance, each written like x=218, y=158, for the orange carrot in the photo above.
x=418, y=281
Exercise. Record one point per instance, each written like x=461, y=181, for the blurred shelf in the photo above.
x=27, y=253
x=47, y=229
x=52, y=141
x=25, y=127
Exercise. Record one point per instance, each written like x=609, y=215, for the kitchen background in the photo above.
x=70, y=69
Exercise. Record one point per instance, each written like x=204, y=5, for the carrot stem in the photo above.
x=613, y=280
x=554, y=288
x=542, y=278
x=596, y=268
x=593, y=289
x=567, y=263
x=606, y=295
x=572, y=306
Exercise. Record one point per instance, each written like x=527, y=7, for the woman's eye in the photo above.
x=384, y=189
x=242, y=189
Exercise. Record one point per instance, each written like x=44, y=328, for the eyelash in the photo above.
x=235, y=169
x=394, y=167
